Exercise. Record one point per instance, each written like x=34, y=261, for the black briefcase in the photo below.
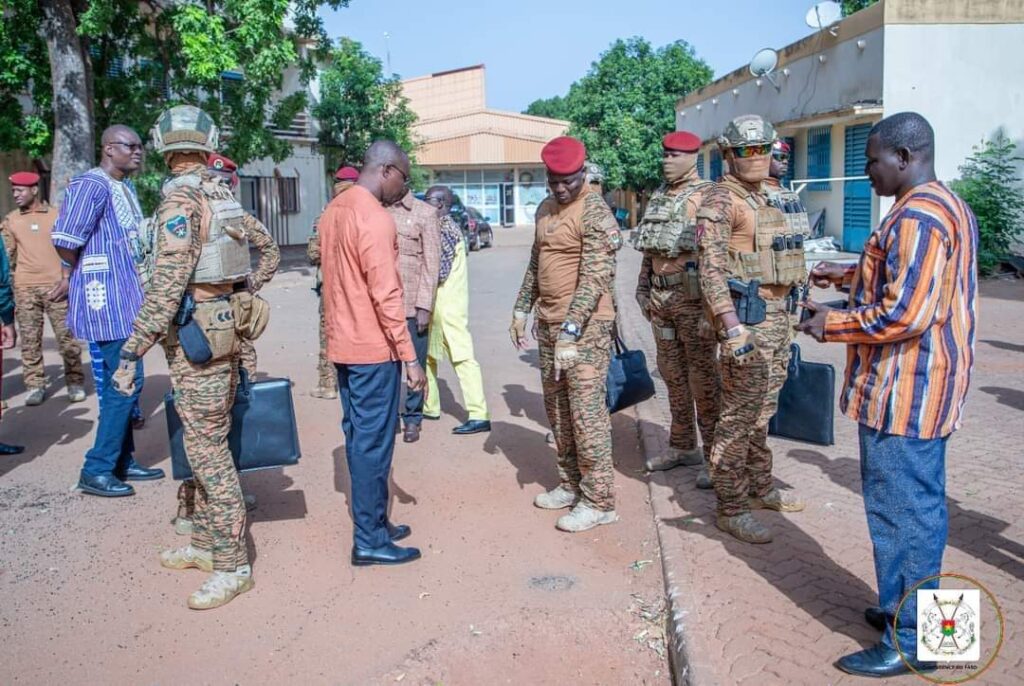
x=629, y=380
x=806, y=402
x=263, y=431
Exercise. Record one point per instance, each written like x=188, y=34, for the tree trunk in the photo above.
x=74, y=137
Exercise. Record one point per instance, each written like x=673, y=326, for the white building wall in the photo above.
x=308, y=167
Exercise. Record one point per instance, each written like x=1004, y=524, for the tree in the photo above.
x=626, y=103
x=851, y=6
x=124, y=61
x=991, y=185
x=553, y=108
x=359, y=105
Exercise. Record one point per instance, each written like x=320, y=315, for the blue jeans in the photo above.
x=112, y=451
x=413, y=413
x=369, y=403
x=99, y=369
x=904, y=484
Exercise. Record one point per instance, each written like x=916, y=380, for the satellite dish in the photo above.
x=764, y=64
x=824, y=14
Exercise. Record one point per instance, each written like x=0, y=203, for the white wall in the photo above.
x=849, y=75
x=966, y=79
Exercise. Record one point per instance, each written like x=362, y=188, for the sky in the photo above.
x=535, y=48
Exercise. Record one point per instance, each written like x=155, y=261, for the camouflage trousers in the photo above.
x=247, y=358
x=578, y=413
x=741, y=461
x=328, y=375
x=203, y=396
x=31, y=305
x=687, y=362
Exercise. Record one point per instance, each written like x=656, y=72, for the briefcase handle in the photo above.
x=794, y=360
x=244, y=390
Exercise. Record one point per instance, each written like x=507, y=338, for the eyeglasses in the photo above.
x=435, y=200
x=132, y=147
x=752, y=150
x=780, y=156
x=405, y=177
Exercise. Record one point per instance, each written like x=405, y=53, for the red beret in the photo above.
x=564, y=155
x=683, y=141
x=346, y=174
x=24, y=179
x=220, y=163
x=781, y=146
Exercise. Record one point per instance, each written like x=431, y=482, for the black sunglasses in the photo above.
x=405, y=177
x=132, y=147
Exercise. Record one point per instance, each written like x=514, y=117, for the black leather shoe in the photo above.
x=8, y=449
x=875, y=617
x=136, y=472
x=105, y=485
x=412, y=433
x=473, y=426
x=387, y=554
x=398, y=531
x=881, y=661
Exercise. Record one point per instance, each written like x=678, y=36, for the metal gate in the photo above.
x=856, y=194
x=261, y=199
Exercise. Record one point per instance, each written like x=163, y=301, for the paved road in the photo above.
x=500, y=596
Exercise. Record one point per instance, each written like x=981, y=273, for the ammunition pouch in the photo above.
x=252, y=314
x=689, y=280
x=751, y=308
x=666, y=228
x=778, y=256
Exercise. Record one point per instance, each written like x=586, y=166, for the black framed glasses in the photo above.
x=405, y=177
x=132, y=147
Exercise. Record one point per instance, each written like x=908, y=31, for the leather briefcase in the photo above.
x=629, y=381
x=806, y=402
x=263, y=431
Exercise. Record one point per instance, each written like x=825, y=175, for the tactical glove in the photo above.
x=740, y=344
x=123, y=381
x=566, y=356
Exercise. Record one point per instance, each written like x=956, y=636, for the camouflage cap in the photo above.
x=595, y=174
x=748, y=129
x=184, y=127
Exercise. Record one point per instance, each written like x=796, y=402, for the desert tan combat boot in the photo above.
x=556, y=499
x=182, y=526
x=220, y=588
x=584, y=517
x=777, y=500
x=324, y=393
x=745, y=527
x=674, y=457
x=187, y=558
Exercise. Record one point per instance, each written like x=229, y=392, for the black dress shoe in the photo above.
x=105, y=485
x=876, y=618
x=387, y=554
x=473, y=426
x=881, y=661
x=412, y=433
x=136, y=472
x=8, y=449
x=398, y=531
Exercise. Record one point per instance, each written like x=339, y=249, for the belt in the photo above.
x=781, y=305
x=669, y=280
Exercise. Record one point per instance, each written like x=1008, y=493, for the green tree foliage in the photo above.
x=851, y=6
x=991, y=185
x=553, y=108
x=626, y=103
x=145, y=56
x=358, y=105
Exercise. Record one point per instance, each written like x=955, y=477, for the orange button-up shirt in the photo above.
x=364, y=316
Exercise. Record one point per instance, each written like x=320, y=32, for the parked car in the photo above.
x=478, y=231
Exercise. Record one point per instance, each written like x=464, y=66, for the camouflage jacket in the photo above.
x=643, y=283
x=266, y=246
x=720, y=211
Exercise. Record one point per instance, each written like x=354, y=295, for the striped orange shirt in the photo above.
x=911, y=320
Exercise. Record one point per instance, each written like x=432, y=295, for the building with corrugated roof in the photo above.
x=489, y=158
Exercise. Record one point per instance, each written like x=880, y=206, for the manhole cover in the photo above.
x=552, y=583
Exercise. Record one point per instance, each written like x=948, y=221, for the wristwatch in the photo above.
x=571, y=329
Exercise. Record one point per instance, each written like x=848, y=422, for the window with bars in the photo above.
x=819, y=157
x=288, y=194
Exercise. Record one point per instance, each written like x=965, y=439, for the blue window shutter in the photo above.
x=819, y=157
x=716, y=164
x=856, y=194
x=700, y=164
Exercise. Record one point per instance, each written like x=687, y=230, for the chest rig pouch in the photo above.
x=667, y=229
x=778, y=257
x=793, y=209
x=225, y=252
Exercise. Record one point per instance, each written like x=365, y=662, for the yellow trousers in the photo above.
x=471, y=382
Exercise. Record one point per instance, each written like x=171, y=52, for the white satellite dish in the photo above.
x=764, y=64
x=824, y=15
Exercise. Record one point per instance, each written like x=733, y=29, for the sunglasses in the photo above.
x=405, y=177
x=752, y=151
x=780, y=156
x=132, y=147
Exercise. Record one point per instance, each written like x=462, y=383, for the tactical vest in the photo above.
x=667, y=228
x=792, y=207
x=225, y=252
x=776, y=260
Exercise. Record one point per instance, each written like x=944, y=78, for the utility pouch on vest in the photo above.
x=691, y=287
x=252, y=314
x=216, y=319
x=194, y=344
x=751, y=308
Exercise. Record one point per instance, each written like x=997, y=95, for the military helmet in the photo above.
x=185, y=127
x=748, y=129
x=595, y=174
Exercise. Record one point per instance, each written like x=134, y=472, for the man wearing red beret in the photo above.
x=327, y=385
x=570, y=280
x=668, y=292
x=38, y=282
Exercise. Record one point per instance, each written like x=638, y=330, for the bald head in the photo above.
x=385, y=171
x=383, y=152
x=118, y=132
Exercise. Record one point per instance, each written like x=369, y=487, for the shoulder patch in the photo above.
x=177, y=226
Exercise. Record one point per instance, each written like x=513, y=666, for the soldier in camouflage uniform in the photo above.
x=201, y=249
x=327, y=385
x=570, y=280
x=749, y=265
x=668, y=292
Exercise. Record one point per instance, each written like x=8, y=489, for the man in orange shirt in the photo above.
x=368, y=340
x=38, y=283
